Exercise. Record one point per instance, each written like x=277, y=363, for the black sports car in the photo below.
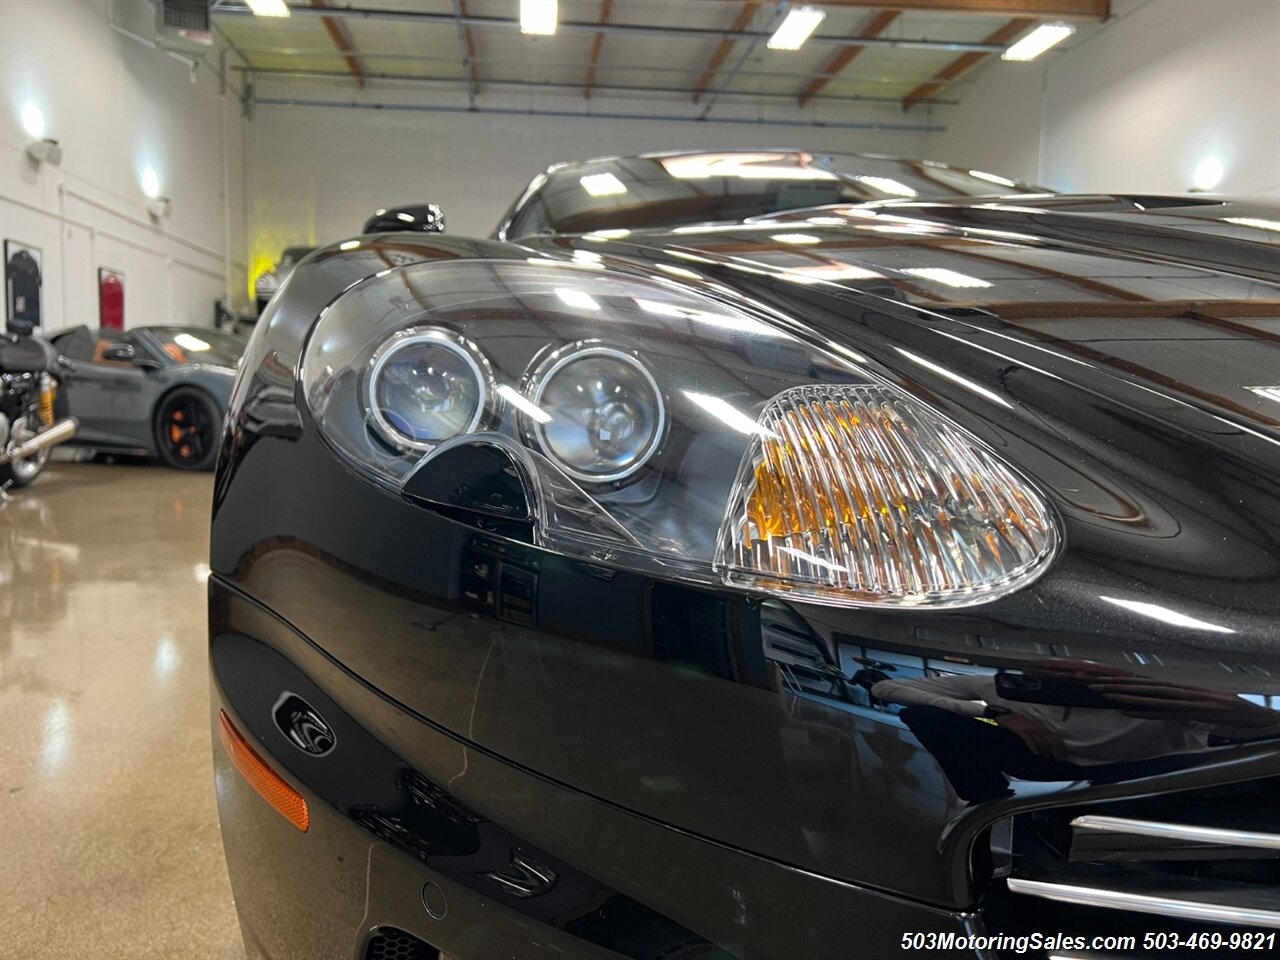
x=150, y=391
x=680, y=574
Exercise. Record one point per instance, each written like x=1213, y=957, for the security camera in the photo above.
x=45, y=151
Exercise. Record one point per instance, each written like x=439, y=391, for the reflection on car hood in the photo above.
x=1185, y=303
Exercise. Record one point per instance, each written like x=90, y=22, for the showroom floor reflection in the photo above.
x=108, y=829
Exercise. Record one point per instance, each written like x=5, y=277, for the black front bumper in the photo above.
x=512, y=864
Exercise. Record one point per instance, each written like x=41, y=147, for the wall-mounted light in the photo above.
x=42, y=149
x=1039, y=40
x=45, y=151
x=149, y=180
x=1207, y=175
x=539, y=17
x=33, y=121
x=158, y=207
x=796, y=28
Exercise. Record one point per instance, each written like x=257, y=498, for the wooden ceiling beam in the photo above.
x=843, y=58
x=469, y=44
x=722, y=51
x=341, y=38
x=964, y=62
x=606, y=8
x=1039, y=9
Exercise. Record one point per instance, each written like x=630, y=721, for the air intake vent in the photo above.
x=1208, y=856
x=390, y=943
x=185, y=14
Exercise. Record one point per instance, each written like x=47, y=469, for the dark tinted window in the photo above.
x=640, y=192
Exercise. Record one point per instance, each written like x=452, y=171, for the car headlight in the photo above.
x=603, y=414
x=666, y=431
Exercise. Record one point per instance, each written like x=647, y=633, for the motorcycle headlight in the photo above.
x=666, y=431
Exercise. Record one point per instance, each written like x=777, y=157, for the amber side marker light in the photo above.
x=288, y=802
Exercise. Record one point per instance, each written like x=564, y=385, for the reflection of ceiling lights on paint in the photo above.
x=950, y=278
x=150, y=183
x=602, y=184
x=992, y=178
x=1038, y=41
x=33, y=121
x=895, y=188
x=1256, y=222
x=1208, y=174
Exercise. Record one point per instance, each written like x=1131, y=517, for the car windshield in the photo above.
x=636, y=192
x=199, y=345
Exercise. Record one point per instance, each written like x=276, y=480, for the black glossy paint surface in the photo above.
x=1126, y=388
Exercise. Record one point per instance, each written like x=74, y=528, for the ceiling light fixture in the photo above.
x=268, y=8
x=796, y=28
x=539, y=17
x=1042, y=38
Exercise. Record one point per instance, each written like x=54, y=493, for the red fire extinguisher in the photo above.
x=110, y=300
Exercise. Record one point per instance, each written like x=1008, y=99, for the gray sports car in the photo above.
x=150, y=391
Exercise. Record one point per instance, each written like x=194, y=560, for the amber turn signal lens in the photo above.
x=270, y=785
x=859, y=495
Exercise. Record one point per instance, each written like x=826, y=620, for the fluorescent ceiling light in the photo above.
x=796, y=28
x=1038, y=41
x=796, y=238
x=268, y=8
x=895, y=188
x=602, y=184
x=539, y=17
x=948, y=277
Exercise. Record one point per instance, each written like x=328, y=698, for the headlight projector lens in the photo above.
x=425, y=386
x=605, y=409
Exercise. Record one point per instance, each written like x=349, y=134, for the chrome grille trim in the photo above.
x=1164, y=906
x=1183, y=832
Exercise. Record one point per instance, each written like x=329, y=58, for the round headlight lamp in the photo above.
x=425, y=386
x=602, y=412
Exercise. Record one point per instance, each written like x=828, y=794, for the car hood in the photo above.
x=1184, y=300
x=1140, y=392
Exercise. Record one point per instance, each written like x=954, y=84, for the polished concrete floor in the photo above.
x=109, y=845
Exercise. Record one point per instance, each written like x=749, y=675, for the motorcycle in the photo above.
x=30, y=370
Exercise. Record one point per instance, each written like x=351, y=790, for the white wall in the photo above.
x=117, y=107
x=316, y=174
x=1135, y=106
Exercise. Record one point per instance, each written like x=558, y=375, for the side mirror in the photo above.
x=419, y=218
x=125, y=353
x=119, y=353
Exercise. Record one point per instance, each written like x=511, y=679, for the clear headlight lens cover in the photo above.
x=666, y=431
